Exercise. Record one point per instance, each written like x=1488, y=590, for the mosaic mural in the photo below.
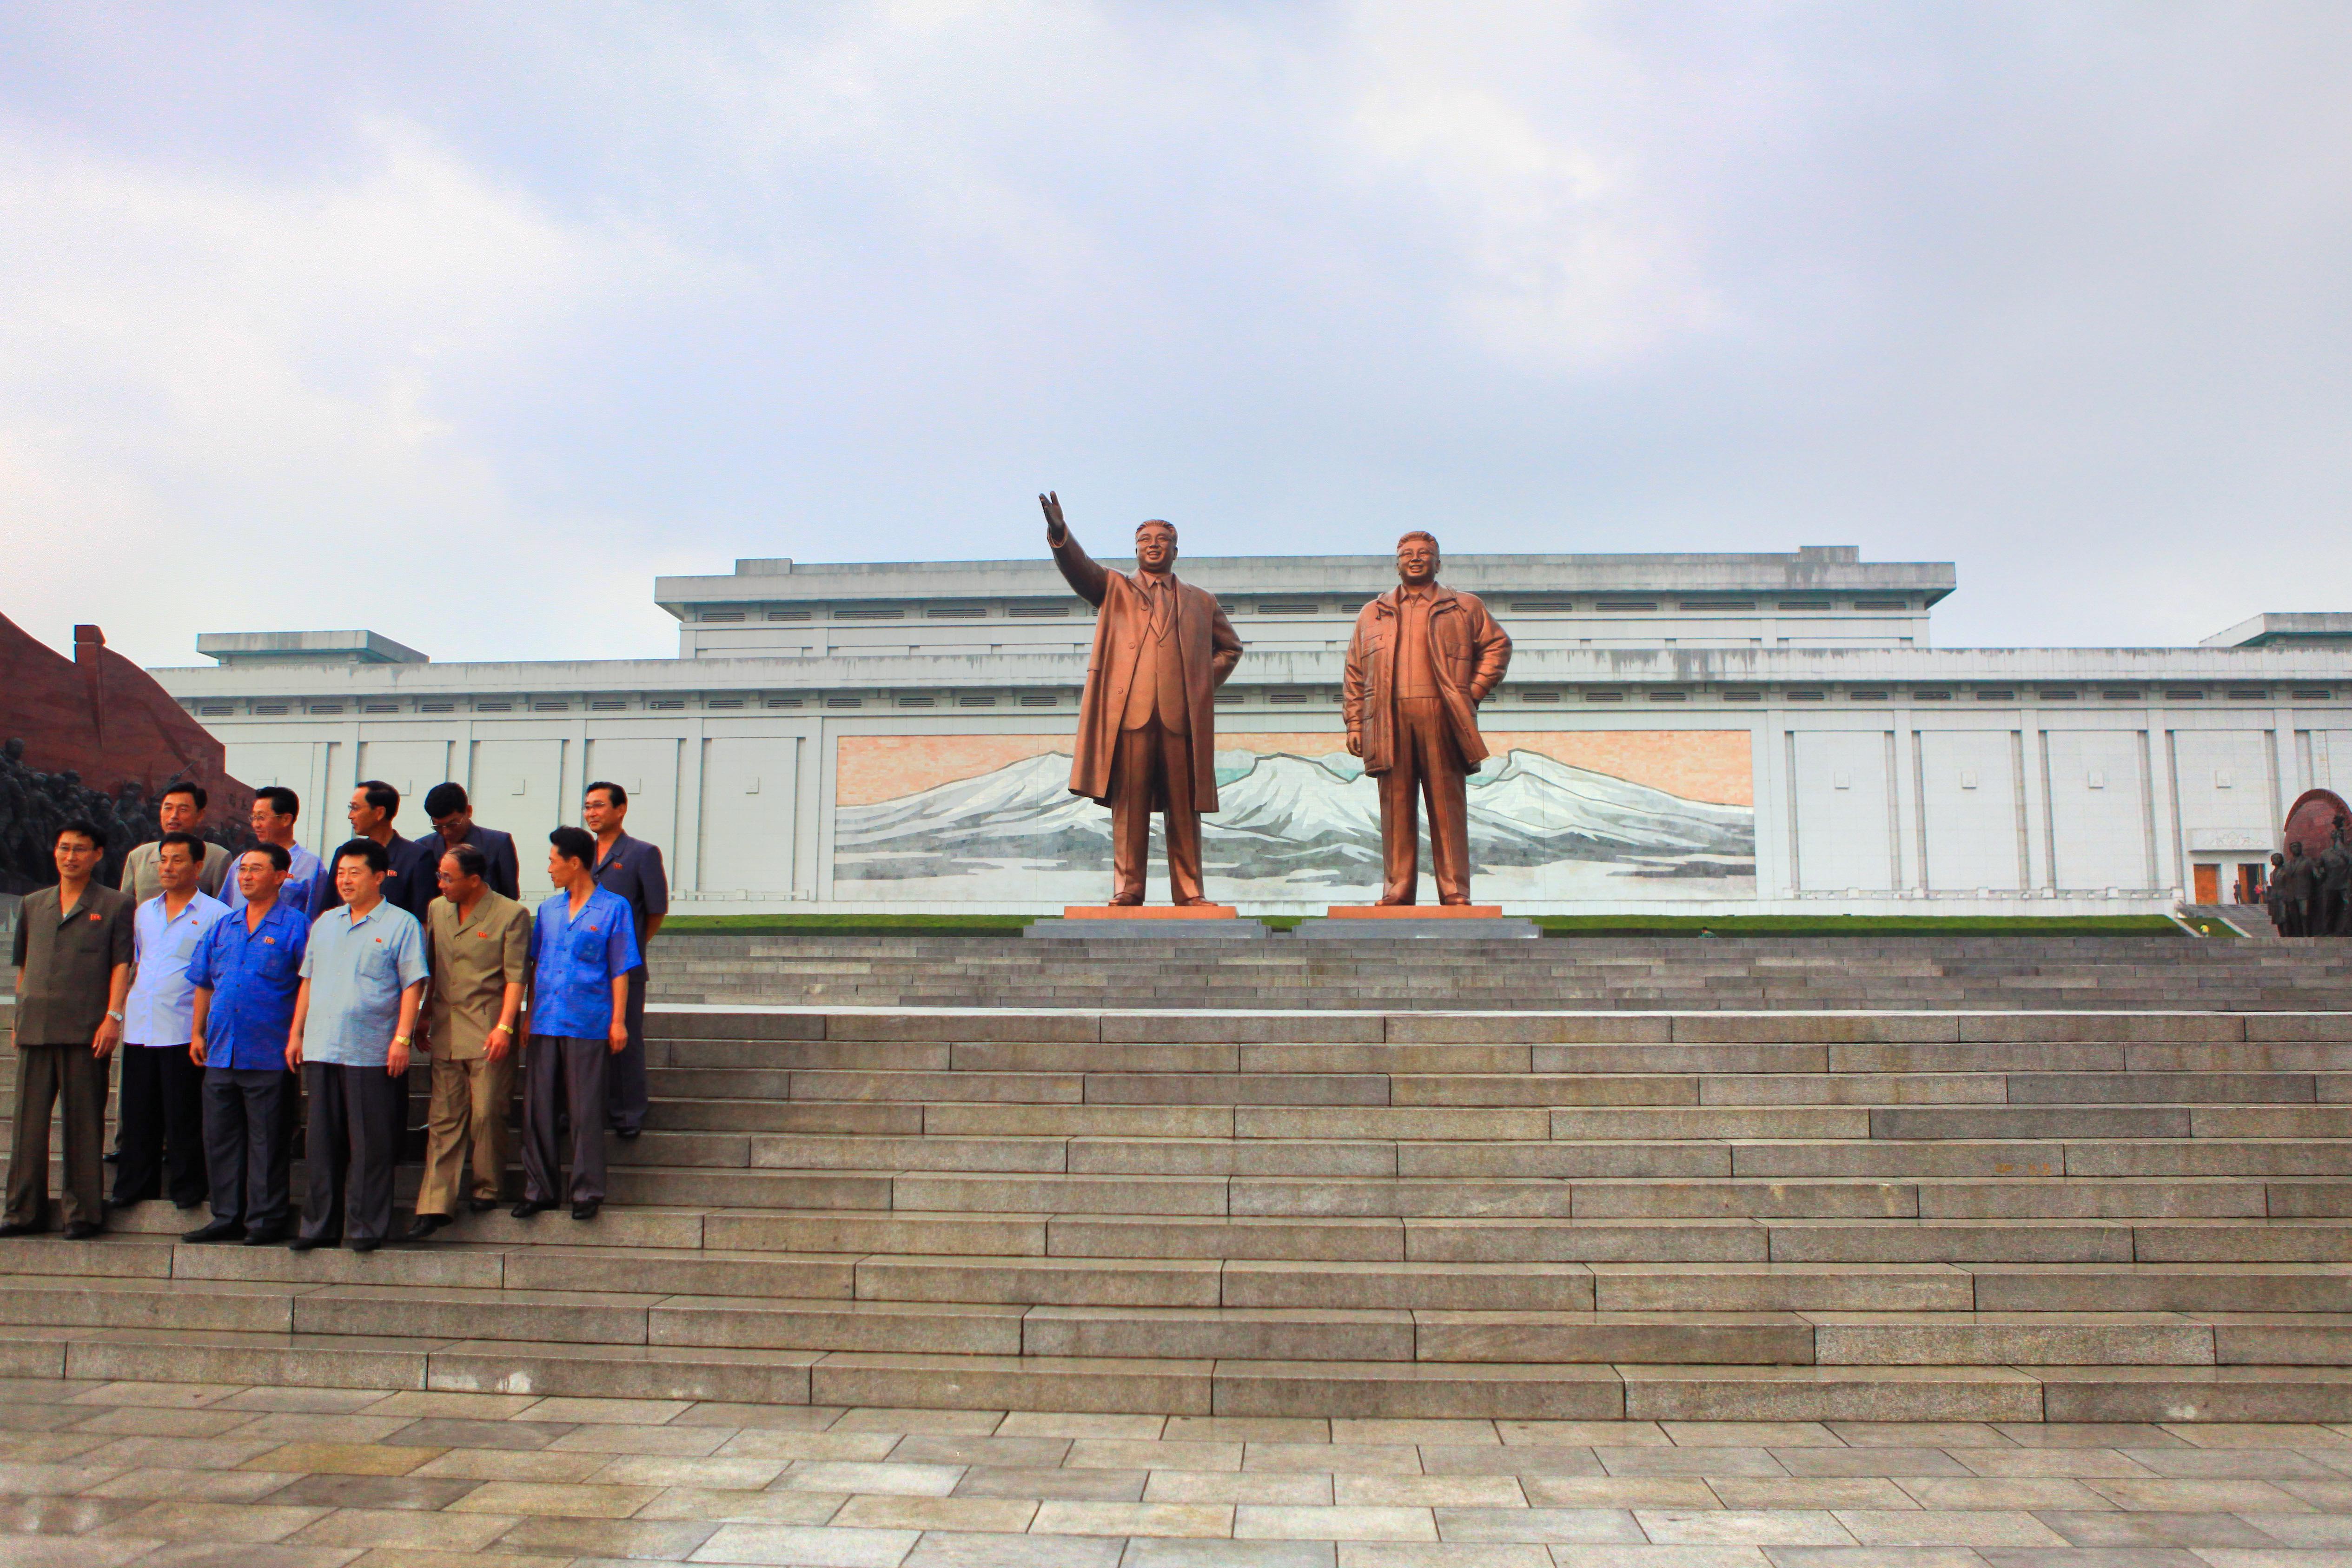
x=1611, y=815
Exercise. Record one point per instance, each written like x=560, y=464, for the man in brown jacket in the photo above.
x=1422, y=659
x=1146, y=728
x=73, y=957
x=478, y=943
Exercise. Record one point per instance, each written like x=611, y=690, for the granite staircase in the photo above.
x=2071, y=1216
x=1670, y=974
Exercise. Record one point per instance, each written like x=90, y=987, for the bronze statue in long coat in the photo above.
x=1147, y=735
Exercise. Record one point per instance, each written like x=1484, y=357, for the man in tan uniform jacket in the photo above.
x=1422, y=659
x=479, y=944
x=1147, y=728
x=180, y=810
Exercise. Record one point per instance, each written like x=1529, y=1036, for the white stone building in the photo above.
x=1696, y=733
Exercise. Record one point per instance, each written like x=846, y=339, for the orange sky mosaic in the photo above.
x=1711, y=765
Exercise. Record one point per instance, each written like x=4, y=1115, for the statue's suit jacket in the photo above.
x=1467, y=650
x=1204, y=643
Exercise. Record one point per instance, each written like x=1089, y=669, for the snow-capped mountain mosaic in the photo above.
x=1299, y=828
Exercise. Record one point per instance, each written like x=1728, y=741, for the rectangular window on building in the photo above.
x=215, y=710
x=783, y=702
x=324, y=708
x=379, y=707
x=1996, y=694
x=2183, y=694
x=918, y=702
x=789, y=615
x=269, y=709
x=722, y=615
x=1604, y=696
x=722, y=702
x=1669, y=696
x=1882, y=604
x=971, y=701
x=1804, y=604
x=607, y=705
x=2249, y=694
x=1714, y=601
x=2120, y=695
x=1286, y=607
x=1286, y=696
x=954, y=612
x=1743, y=696
x=2057, y=693
x=1228, y=699
x=1037, y=612
x=844, y=702
x=494, y=707
x=1620, y=601
x=2311, y=693
x=665, y=705
x=1539, y=697
x=1866, y=697
x=1930, y=694
x=1038, y=699
x=1542, y=606
x=1806, y=696
x=436, y=708
x=871, y=612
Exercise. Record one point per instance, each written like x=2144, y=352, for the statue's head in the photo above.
x=1417, y=558
x=2277, y=859
x=1155, y=545
x=2295, y=848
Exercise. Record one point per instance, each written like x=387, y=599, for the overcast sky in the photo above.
x=462, y=322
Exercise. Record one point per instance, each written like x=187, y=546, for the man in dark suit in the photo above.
x=411, y=884
x=632, y=869
x=453, y=820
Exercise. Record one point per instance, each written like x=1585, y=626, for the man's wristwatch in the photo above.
x=400, y=1040
x=115, y=1016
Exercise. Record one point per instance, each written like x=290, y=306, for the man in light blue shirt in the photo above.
x=275, y=810
x=362, y=977
x=247, y=972
x=583, y=945
x=162, y=1109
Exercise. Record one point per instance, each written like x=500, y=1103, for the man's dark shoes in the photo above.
x=267, y=1236
x=112, y=1156
x=627, y=1135
x=306, y=1243
x=422, y=1227
x=81, y=1230
x=366, y=1244
x=529, y=1207
x=482, y=1205
x=586, y=1211
x=218, y=1231
x=20, y=1227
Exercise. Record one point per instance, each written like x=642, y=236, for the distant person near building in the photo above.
x=246, y=973
x=408, y=883
x=633, y=868
x=72, y=952
x=478, y=945
x=275, y=808
x=584, y=951
x=452, y=816
x=180, y=810
x=354, y=1018
x=162, y=1107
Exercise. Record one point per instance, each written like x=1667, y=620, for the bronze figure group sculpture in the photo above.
x=2310, y=895
x=1423, y=658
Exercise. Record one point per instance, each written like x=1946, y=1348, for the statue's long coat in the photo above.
x=1205, y=644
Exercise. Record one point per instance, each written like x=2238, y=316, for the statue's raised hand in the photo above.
x=1057, y=532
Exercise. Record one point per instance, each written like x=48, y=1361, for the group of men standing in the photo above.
x=2310, y=895
x=247, y=993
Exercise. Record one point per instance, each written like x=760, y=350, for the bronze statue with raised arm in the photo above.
x=1146, y=727
x=1422, y=659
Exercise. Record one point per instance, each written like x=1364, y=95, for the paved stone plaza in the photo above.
x=100, y=1474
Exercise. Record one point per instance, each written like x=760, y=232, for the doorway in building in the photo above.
x=2208, y=883
x=2249, y=882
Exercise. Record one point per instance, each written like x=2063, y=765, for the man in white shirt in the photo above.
x=162, y=1114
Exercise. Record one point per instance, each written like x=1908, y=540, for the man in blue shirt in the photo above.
x=246, y=971
x=582, y=948
x=162, y=1108
x=275, y=810
x=362, y=978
